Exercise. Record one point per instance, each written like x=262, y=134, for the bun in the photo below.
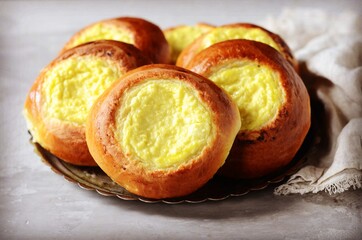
x=162, y=131
x=236, y=31
x=60, y=99
x=179, y=37
x=143, y=34
x=272, y=99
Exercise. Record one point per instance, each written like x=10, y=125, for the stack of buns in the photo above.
x=162, y=112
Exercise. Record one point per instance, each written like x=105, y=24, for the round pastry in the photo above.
x=143, y=34
x=61, y=97
x=272, y=99
x=162, y=131
x=180, y=37
x=236, y=31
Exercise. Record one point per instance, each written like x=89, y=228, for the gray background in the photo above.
x=35, y=203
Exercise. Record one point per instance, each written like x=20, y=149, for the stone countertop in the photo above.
x=36, y=203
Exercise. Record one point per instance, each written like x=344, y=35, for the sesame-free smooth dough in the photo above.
x=162, y=131
x=272, y=100
x=61, y=97
x=235, y=31
x=143, y=34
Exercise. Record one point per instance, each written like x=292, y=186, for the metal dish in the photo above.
x=218, y=188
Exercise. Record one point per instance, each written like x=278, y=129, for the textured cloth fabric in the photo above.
x=330, y=49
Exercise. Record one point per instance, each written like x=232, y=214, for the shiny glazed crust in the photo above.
x=161, y=183
x=259, y=153
x=188, y=53
x=148, y=37
x=66, y=140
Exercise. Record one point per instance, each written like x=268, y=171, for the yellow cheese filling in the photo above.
x=103, y=31
x=181, y=37
x=256, y=90
x=229, y=33
x=72, y=85
x=163, y=123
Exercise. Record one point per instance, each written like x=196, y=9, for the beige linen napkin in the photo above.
x=330, y=47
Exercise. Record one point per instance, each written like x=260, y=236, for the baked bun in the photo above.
x=162, y=131
x=143, y=34
x=61, y=97
x=272, y=99
x=236, y=31
x=179, y=37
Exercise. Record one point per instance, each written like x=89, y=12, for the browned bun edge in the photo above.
x=67, y=140
x=161, y=183
x=257, y=153
x=285, y=49
x=188, y=53
x=148, y=37
x=127, y=55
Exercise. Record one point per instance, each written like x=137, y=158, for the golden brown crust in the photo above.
x=148, y=37
x=188, y=53
x=258, y=153
x=67, y=140
x=172, y=182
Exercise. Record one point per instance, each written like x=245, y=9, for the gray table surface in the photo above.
x=35, y=203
